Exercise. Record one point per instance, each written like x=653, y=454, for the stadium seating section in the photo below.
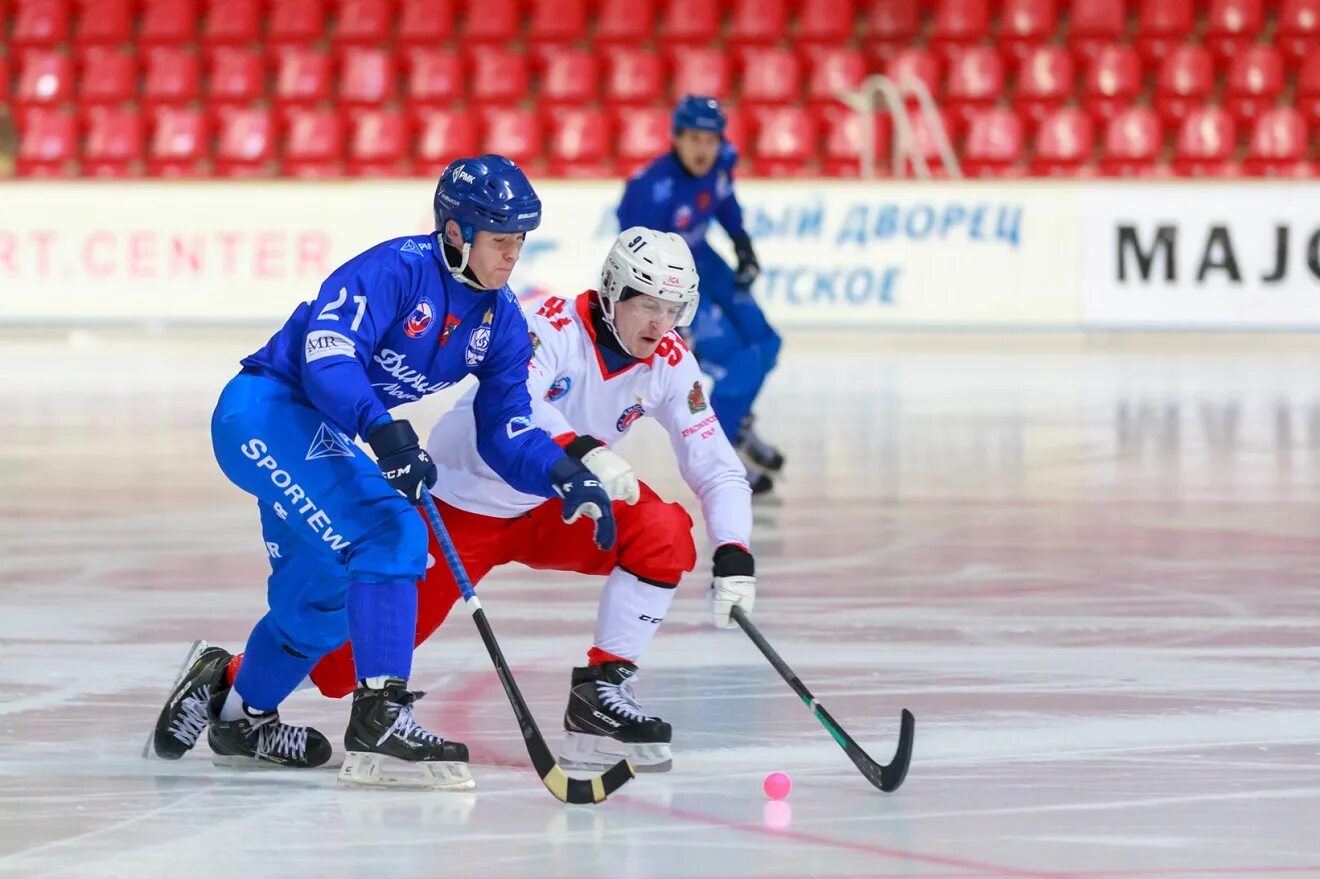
x=582, y=88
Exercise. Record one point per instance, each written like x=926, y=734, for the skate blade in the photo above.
x=149, y=747
x=367, y=770
x=584, y=751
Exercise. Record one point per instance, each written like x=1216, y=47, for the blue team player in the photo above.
x=680, y=192
x=399, y=321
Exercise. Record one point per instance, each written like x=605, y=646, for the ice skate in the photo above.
x=183, y=718
x=257, y=739
x=603, y=723
x=755, y=452
x=387, y=748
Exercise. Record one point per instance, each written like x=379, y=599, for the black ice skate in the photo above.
x=183, y=718
x=257, y=739
x=387, y=748
x=755, y=452
x=760, y=483
x=603, y=723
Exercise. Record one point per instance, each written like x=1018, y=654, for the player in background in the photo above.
x=680, y=192
x=599, y=363
x=401, y=320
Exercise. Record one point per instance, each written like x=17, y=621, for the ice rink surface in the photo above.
x=1087, y=563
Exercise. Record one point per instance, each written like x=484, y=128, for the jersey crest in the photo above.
x=696, y=399
x=419, y=322
x=479, y=341
x=559, y=388
x=629, y=415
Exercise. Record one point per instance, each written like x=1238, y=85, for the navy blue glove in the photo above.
x=401, y=459
x=748, y=267
x=583, y=495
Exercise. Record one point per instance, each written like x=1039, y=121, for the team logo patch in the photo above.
x=559, y=389
x=451, y=324
x=419, y=322
x=629, y=415
x=703, y=201
x=329, y=443
x=536, y=340
x=682, y=217
x=696, y=399
x=479, y=340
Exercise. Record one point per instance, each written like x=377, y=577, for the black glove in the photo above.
x=401, y=459
x=748, y=268
x=583, y=495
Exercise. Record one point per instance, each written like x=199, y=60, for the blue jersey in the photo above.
x=665, y=197
x=392, y=325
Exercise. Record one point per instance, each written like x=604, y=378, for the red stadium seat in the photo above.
x=498, y=75
x=994, y=145
x=570, y=76
x=1255, y=81
x=4, y=81
x=1161, y=25
x=1133, y=143
x=758, y=21
x=579, y=144
x=168, y=22
x=172, y=77
x=844, y=141
x=916, y=64
x=1232, y=25
x=1025, y=24
x=238, y=77
x=367, y=77
x=634, y=76
x=41, y=23
x=1094, y=24
x=229, y=22
x=891, y=25
x=1278, y=146
x=1064, y=143
x=1045, y=81
x=295, y=22
x=976, y=80
x=958, y=24
x=48, y=145
x=363, y=22
x=378, y=145
x=444, y=135
x=302, y=76
x=556, y=21
x=178, y=145
x=643, y=134
x=114, y=144
x=109, y=76
x=103, y=22
x=1205, y=144
x=770, y=76
x=45, y=79
x=435, y=78
x=515, y=133
x=699, y=72
x=624, y=22
x=490, y=21
x=689, y=21
x=1186, y=80
x=1113, y=81
x=925, y=144
x=314, y=145
x=827, y=23
x=1308, y=91
x=246, y=143
x=785, y=143
x=1297, y=29
x=833, y=70
x=426, y=23
x=737, y=129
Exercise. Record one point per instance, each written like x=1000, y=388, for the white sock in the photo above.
x=233, y=707
x=630, y=612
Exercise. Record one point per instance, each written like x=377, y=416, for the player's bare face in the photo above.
x=642, y=321
x=697, y=150
x=493, y=254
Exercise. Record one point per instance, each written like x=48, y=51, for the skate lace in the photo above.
x=282, y=739
x=191, y=720
x=620, y=699
x=407, y=728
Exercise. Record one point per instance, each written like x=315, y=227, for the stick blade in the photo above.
x=588, y=791
x=892, y=776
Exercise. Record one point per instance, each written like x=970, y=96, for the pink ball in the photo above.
x=777, y=785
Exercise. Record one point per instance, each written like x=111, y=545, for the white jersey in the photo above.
x=572, y=393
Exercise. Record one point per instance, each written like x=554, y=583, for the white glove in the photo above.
x=728, y=592
x=615, y=474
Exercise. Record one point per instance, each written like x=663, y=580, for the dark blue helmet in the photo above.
x=488, y=192
x=701, y=113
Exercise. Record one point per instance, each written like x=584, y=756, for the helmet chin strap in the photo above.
x=607, y=317
x=461, y=272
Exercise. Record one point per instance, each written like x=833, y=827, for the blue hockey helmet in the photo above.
x=487, y=192
x=699, y=112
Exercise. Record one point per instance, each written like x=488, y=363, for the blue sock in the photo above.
x=382, y=621
x=270, y=671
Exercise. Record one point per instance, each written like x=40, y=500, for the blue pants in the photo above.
x=328, y=517
x=732, y=340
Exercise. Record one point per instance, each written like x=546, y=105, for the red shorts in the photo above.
x=654, y=542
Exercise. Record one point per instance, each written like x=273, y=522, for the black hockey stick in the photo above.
x=568, y=790
x=888, y=777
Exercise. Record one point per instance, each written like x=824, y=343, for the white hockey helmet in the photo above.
x=658, y=264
